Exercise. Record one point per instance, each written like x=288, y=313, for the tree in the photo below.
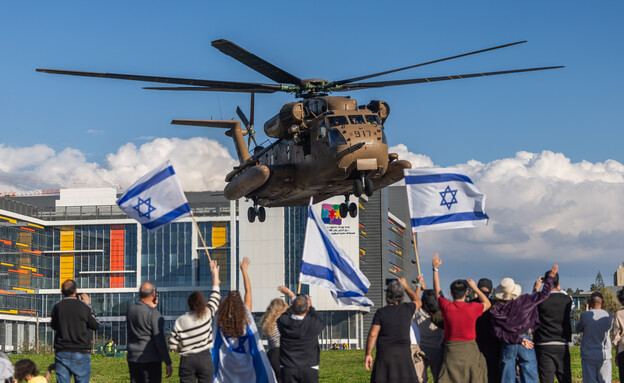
x=598, y=283
x=609, y=302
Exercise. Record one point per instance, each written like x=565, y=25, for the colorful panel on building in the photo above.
x=117, y=247
x=67, y=259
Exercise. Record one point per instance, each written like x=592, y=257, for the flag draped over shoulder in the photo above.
x=325, y=264
x=443, y=198
x=241, y=359
x=156, y=199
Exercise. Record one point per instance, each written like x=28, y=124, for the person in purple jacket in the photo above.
x=514, y=318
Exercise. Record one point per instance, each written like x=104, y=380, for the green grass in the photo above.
x=336, y=366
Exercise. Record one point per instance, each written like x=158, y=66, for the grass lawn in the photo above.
x=336, y=366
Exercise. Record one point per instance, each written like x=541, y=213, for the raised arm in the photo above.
x=243, y=266
x=414, y=296
x=436, y=262
x=286, y=291
x=215, y=295
x=482, y=298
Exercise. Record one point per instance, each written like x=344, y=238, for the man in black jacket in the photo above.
x=553, y=335
x=73, y=319
x=299, y=329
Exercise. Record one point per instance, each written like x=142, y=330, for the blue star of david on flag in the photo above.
x=445, y=193
x=146, y=202
x=430, y=208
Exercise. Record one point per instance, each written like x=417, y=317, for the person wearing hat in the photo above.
x=595, y=324
x=462, y=363
x=488, y=343
x=514, y=318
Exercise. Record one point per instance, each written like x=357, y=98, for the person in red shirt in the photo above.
x=463, y=363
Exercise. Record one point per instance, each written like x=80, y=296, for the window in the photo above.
x=373, y=119
x=337, y=120
x=336, y=138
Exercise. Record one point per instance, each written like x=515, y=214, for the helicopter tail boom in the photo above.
x=234, y=131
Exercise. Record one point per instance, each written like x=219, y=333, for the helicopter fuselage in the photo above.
x=322, y=155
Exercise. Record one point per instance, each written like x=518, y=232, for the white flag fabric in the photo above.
x=156, y=199
x=241, y=359
x=443, y=198
x=325, y=264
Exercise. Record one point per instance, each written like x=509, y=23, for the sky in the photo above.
x=544, y=146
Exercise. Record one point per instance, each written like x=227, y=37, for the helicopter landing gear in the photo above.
x=369, y=187
x=343, y=210
x=256, y=211
x=363, y=185
x=353, y=209
x=357, y=188
x=348, y=209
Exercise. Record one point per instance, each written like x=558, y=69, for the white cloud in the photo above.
x=543, y=209
x=95, y=132
x=200, y=163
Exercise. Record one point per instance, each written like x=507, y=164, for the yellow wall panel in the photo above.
x=218, y=236
x=67, y=259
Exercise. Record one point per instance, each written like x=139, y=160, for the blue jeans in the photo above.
x=527, y=363
x=72, y=363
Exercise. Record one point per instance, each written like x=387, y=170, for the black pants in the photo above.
x=620, y=360
x=299, y=375
x=553, y=361
x=196, y=368
x=145, y=372
x=273, y=355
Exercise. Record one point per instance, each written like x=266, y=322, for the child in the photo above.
x=26, y=370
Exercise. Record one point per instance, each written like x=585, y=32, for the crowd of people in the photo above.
x=480, y=334
x=500, y=335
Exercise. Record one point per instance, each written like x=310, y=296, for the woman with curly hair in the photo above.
x=192, y=333
x=238, y=354
x=269, y=327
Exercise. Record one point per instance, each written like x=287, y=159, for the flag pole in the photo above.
x=201, y=237
x=416, y=253
x=299, y=289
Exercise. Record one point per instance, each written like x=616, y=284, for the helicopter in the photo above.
x=325, y=145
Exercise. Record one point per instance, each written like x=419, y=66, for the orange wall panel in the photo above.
x=117, y=250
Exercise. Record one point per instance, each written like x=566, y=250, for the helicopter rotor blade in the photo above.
x=208, y=89
x=242, y=116
x=341, y=82
x=251, y=109
x=380, y=84
x=229, y=85
x=256, y=63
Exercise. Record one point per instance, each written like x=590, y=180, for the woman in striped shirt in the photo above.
x=192, y=334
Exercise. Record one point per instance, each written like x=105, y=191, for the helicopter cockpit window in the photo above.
x=336, y=138
x=322, y=131
x=373, y=119
x=356, y=119
x=337, y=120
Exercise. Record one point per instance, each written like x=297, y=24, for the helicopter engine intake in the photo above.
x=279, y=125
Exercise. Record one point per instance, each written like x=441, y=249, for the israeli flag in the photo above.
x=156, y=199
x=241, y=359
x=325, y=264
x=443, y=198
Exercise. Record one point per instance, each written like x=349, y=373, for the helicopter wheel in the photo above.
x=261, y=214
x=353, y=209
x=369, y=187
x=343, y=210
x=251, y=214
x=357, y=188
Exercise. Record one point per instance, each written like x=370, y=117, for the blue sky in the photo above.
x=572, y=110
x=568, y=115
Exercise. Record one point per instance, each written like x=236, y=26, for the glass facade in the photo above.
x=295, y=219
x=103, y=259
